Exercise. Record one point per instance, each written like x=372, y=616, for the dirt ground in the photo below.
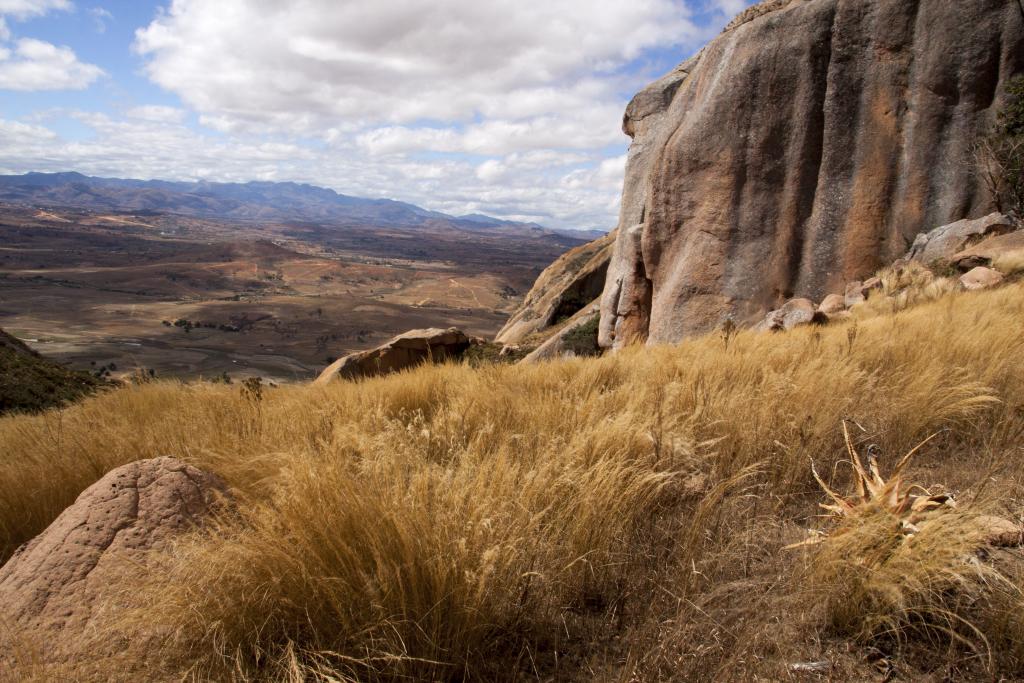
x=191, y=298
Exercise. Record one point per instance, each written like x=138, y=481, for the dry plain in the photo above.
x=190, y=297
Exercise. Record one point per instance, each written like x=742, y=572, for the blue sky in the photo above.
x=500, y=107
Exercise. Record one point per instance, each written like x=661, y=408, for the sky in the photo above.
x=511, y=108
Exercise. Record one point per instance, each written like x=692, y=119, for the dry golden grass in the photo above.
x=620, y=518
x=1010, y=263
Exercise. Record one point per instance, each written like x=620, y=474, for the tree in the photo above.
x=999, y=157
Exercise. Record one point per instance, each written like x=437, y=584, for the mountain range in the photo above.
x=252, y=201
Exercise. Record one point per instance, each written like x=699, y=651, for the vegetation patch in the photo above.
x=30, y=383
x=582, y=339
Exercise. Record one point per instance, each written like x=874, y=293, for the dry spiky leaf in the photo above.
x=874, y=492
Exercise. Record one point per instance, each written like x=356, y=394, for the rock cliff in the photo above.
x=563, y=289
x=801, y=149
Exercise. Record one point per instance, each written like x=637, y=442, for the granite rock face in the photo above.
x=803, y=148
x=943, y=243
x=563, y=289
x=564, y=342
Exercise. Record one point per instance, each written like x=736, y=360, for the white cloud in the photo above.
x=399, y=62
x=23, y=9
x=571, y=189
x=100, y=17
x=732, y=7
x=35, y=64
x=157, y=114
x=15, y=132
x=38, y=65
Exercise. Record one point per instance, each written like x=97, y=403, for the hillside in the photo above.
x=30, y=383
x=621, y=518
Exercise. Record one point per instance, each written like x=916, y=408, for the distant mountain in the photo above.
x=253, y=201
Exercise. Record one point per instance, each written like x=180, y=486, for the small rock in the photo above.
x=981, y=278
x=832, y=304
x=870, y=285
x=794, y=312
x=59, y=582
x=1001, y=532
x=854, y=293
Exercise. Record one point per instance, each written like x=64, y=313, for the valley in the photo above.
x=191, y=297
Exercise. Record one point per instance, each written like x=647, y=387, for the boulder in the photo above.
x=794, y=312
x=832, y=304
x=402, y=352
x=578, y=337
x=1001, y=532
x=59, y=583
x=943, y=243
x=872, y=284
x=984, y=253
x=801, y=149
x=981, y=278
x=854, y=294
x=563, y=289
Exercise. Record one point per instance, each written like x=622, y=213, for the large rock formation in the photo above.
x=801, y=149
x=404, y=351
x=943, y=243
x=564, y=288
x=577, y=337
x=56, y=585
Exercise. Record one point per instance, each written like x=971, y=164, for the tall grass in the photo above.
x=601, y=518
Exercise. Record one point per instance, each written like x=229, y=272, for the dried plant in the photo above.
x=874, y=493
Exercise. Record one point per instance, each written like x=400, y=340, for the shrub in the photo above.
x=999, y=157
x=582, y=340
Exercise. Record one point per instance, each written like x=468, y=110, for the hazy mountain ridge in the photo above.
x=256, y=200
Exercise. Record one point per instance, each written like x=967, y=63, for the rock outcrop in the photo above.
x=564, y=288
x=407, y=350
x=58, y=583
x=990, y=249
x=943, y=243
x=802, y=149
x=577, y=337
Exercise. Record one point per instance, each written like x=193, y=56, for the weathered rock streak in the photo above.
x=803, y=148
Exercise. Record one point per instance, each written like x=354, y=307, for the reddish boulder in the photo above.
x=832, y=304
x=793, y=313
x=981, y=278
x=407, y=350
x=66, y=577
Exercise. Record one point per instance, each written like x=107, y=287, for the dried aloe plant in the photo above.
x=874, y=493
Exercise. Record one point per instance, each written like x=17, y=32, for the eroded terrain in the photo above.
x=190, y=297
